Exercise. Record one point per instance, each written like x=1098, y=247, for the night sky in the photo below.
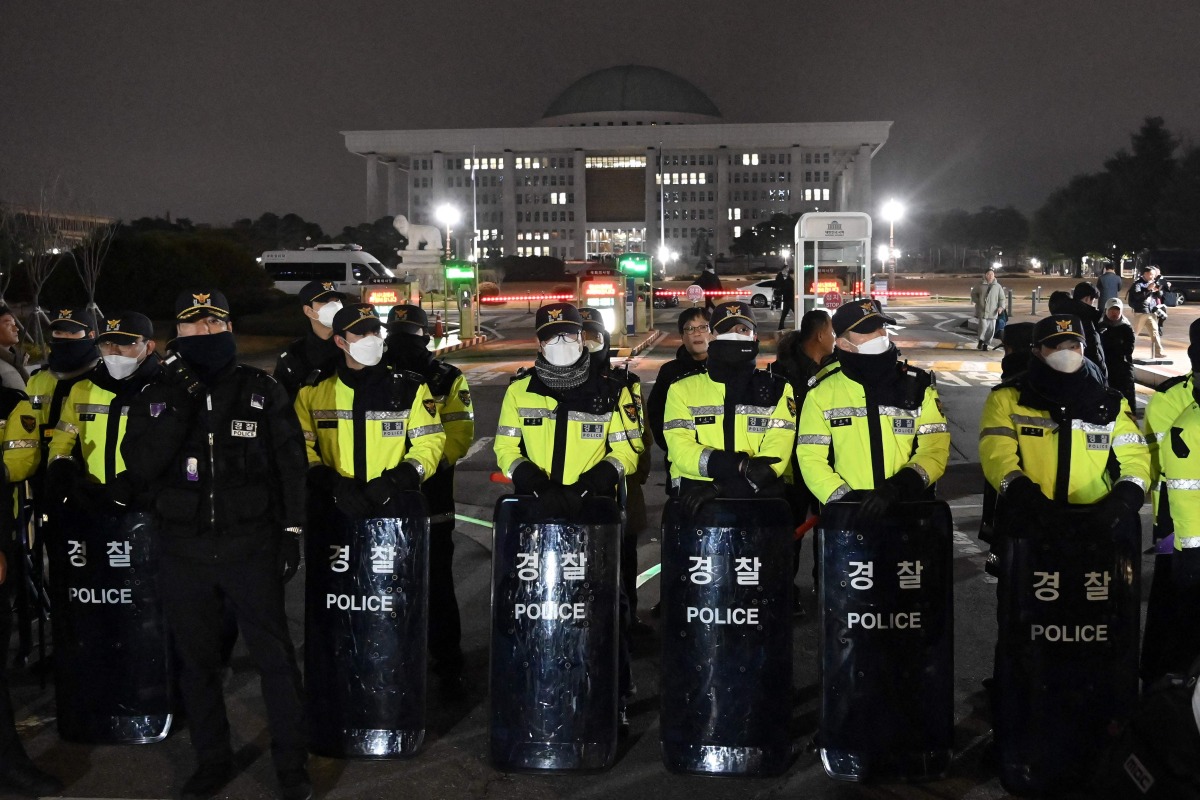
x=216, y=110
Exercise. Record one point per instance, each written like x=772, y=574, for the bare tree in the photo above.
x=88, y=258
x=42, y=248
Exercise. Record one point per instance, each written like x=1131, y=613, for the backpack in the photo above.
x=1156, y=755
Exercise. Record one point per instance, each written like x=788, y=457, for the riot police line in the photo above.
x=868, y=443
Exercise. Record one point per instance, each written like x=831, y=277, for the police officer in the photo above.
x=597, y=341
x=729, y=430
x=84, y=454
x=567, y=431
x=218, y=446
x=73, y=354
x=407, y=350
x=871, y=424
x=21, y=455
x=1025, y=418
x=313, y=357
x=1172, y=639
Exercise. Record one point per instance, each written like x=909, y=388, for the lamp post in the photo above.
x=892, y=211
x=447, y=215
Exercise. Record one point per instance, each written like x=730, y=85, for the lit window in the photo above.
x=808, y=194
x=737, y=231
x=824, y=194
x=737, y=213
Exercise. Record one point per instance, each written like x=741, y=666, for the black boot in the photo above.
x=207, y=780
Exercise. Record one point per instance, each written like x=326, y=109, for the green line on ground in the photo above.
x=645, y=577
x=480, y=522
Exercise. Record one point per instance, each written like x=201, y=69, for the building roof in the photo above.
x=631, y=88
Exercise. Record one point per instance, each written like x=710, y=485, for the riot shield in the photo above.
x=727, y=638
x=554, y=637
x=112, y=664
x=886, y=643
x=366, y=622
x=1066, y=660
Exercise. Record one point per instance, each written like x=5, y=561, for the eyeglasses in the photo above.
x=571, y=338
x=696, y=329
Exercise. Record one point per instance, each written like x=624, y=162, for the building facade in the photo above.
x=625, y=159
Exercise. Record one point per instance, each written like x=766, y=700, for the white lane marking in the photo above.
x=477, y=445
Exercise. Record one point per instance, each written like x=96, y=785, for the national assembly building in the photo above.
x=628, y=158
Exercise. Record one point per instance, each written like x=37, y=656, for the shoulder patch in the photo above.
x=464, y=397
x=430, y=406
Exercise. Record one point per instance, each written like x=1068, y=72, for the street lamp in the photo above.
x=449, y=216
x=892, y=210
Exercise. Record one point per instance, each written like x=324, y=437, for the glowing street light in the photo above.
x=892, y=210
x=449, y=216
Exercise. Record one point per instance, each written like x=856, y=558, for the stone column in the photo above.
x=508, y=203
x=723, y=224
x=580, y=225
x=860, y=191
x=796, y=184
x=438, y=192
x=396, y=176
x=372, y=187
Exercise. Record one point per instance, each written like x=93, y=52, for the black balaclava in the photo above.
x=69, y=355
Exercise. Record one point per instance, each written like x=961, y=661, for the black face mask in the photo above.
x=68, y=355
x=408, y=350
x=870, y=369
x=207, y=353
x=728, y=351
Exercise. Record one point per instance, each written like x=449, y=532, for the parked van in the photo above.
x=347, y=266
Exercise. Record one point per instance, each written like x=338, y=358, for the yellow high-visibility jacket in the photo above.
x=1166, y=404
x=834, y=447
x=1019, y=435
x=360, y=432
x=1179, y=450
x=47, y=395
x=21, y=453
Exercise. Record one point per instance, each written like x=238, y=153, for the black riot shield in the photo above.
x=887, y=643
x=112, y=665
x=1066, y=660
x=554, y=637
x=727, y=638
x=366, y=625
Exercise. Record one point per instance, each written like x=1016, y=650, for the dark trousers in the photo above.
x=787, y=309
x=445, y=625
x=1172, y=636
x=10, y=743
x=195, y=595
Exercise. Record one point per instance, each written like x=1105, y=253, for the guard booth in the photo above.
x=462, y=283
x=635, y=267
x=835, y=251
x=605, y=290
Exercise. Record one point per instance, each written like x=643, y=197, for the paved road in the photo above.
x=453, y=762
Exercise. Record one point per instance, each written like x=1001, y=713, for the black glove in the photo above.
x=726, y=467
x=1027, y=499
x=322, y=479
x=693, y=498
x=123, y=489
x=351, y=499
x=385, y=488
x=60, y=479
x=527, y=478
x=177, y=373
x=600, y=480
x=561, y=501
x=289, y=555
x=1185, y=569
x=883, y=500
x=759, y=472
x=1125, y=497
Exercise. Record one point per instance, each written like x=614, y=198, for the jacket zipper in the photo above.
x=212, y=473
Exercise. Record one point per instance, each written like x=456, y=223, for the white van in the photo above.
x=347, y=266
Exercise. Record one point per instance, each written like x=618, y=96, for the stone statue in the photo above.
x=418, y=235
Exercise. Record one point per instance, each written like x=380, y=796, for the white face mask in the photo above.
x=735, y=337
x=593, y=346
x=367, y=351
x=873, y=347
x=1067, y=361
x=326, y=312
x=562, y=354
x=121, y=367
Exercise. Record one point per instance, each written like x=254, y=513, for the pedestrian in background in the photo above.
x=1142, y=302
x=785, y=285
x=710, y=283
x=1116, y=338
x=1108, y=284
x=988, y=297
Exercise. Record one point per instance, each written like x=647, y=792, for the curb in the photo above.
x=654, y=336
x=461, y=345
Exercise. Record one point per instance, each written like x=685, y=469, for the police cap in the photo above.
x=193, y=305
x=593, y=322
x=1053, y=330
x=408, y=319
x=735, y=312
x=320, y=291
x=71, y=320
x=356, y=318
x=125, y=327
x=860, y=316
x=555, y=318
